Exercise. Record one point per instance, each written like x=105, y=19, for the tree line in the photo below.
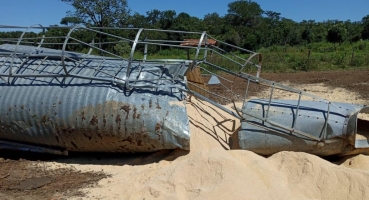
x=245, y=24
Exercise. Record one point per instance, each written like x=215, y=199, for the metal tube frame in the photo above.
x=202, y=45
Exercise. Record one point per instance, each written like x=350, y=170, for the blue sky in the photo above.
x=49, y=12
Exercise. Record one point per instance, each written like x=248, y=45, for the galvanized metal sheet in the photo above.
x=90, y=115
x=362, y=128
x=265, y=138
x=214, y=80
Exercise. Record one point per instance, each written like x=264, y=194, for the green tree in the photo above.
x=100, y=13
x=161, y=19
x=167, y=19
x=337, y=33
x=244, y=13
x=185, y=22
x=138, y=21
x=320, y=31
x=70, y=20
x=214, y=24
x=365, y=25
x=232, y=37
x=153, y=17
x=245, y=16
x=354, y=30
x=271, y=28
x=307, y=31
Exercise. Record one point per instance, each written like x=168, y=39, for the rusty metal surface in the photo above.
x=195, y=42
x=337, y=136
x=91, y=115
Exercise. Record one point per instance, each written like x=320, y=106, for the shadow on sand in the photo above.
x=93, y=158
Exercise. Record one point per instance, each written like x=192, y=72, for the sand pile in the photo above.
x=212, y=171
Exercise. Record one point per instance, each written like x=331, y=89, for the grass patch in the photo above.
x=316, y=57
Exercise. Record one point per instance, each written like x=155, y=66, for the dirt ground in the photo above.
x=356, y=81
x=21, y=176
x=353, y=80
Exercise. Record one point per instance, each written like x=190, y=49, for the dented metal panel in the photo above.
x=79, y=114
x=336, y=136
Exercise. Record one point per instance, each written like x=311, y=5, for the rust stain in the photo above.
x=43, y=119
x=87, y=135
x=106, y=131
x=99, y=134
x=94, y=120
x=143, y=107
x=57, y=139
x=157, y=104
x=83, y=116
x=129, y=139
x=118, y=119
x=134, y=112
x=195, y=42
x=71, y=130
x=22, y=107
x=104, y=120
x=157, y=127
x=66, y=131
x=75, y=146
x=10, y=108
x=126, y=108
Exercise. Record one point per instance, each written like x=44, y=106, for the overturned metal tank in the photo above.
x=55, y=101
x=82, y=114
x=308, y=126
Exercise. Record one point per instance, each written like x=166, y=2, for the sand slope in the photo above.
x=212, y=171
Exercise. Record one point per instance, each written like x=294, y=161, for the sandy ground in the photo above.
x=212, y=171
